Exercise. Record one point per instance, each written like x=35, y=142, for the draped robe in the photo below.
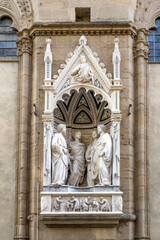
x=91, y=164
x=103, y=158
x=77, y=152
x=60, y=159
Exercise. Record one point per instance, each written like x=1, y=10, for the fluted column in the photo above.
x=141, y=56
x=24, y=51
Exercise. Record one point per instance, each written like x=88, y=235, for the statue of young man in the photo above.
x=77, y=155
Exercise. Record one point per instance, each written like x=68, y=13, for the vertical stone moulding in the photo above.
x=47, y=117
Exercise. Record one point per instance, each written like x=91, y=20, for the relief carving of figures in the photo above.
x=76, y=204
x=90, y=159
x=95, y=205
x=87, y=204
x=47, y=147
x=60, y=157
x=105, y=206
x=103, y=156
x=82, y=73
x=57, y=203
x=77, y=157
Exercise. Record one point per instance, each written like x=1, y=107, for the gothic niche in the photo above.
x=82, y=116
x=81, y=112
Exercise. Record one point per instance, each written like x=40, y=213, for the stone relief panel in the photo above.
x=80, y=204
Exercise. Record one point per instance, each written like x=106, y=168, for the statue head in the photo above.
x=83, y=59
x=77, y=135
x=61, y=128
x=101, y=128
x=94, y=134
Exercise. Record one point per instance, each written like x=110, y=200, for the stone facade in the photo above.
x=24, y=198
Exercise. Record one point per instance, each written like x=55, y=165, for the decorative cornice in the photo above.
x=24, y=46
x=62, y=29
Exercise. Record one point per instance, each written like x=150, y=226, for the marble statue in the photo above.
x=103, y=155
x=82, y=72
x=77, y=161
x=90, y=159
x=60, y=157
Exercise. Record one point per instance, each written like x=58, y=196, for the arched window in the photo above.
x=8, y=38
x=154, y=43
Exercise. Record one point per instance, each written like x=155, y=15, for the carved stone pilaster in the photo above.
x=25, y=50
x=141, y=56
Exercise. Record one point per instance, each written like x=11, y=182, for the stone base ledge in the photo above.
x=84, y=220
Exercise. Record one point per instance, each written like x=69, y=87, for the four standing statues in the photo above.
x=69, y=162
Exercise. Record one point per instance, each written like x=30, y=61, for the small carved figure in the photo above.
x=95, y=205
x=90, y=159
x=57, y=203
x=77, y=165
x=76, y=204
x=87, y=204
x=103, y=155
x=82, y=72
x=60, y=157
x=105, y=206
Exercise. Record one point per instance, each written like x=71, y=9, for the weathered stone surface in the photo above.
x=8, y=146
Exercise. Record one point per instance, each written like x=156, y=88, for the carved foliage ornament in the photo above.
x=25, y=7
x=5, y=3
x=24, y=46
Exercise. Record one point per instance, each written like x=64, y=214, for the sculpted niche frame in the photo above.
x=102, y=201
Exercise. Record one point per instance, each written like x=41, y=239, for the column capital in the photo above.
x=141, y=43
x=24, y=45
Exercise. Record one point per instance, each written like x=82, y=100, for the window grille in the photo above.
x=8, y=38
x=154, y=43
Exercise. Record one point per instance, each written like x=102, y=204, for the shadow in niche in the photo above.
x=82, y=111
